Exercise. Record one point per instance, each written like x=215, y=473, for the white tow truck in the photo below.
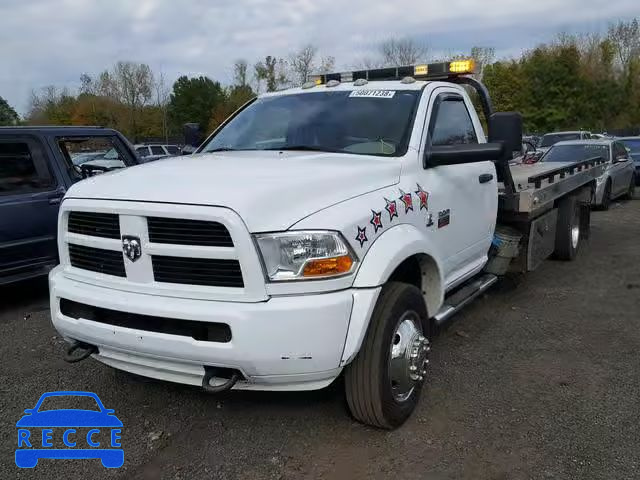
x=320, y=230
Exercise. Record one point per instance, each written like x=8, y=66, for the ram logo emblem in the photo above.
x=131, y=247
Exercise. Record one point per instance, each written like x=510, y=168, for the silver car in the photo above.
x=618, y=178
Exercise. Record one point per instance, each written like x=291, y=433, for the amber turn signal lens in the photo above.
x=328, y=266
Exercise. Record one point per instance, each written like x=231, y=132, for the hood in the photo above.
x=69, y=418
x=270, y=190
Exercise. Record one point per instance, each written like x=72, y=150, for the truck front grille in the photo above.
x=201, y=331
x=109, y=262
x=188, y=232
x=197, y=271
x=106, y=225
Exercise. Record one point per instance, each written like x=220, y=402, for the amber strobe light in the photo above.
x=327, y=266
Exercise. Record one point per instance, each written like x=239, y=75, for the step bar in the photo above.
x=463, y=296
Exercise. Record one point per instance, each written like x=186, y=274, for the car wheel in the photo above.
x=384, y=382
x=568, y=229
x=606, y=197
x=632, y=189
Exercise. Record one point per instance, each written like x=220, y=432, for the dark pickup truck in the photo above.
x=37, y=166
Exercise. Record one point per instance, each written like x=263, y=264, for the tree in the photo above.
x=625, y=37
x=301, y=63
x=162, y=104
x=193, y=100
x=404, y=51
x=240, y=73
x=8, y=115
x=483, y=56
x=272, y=71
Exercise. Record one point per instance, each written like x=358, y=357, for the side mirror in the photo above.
x=506, y=128
x=464, y=153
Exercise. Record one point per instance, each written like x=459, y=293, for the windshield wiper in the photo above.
x=221, y=149
x=308, y=148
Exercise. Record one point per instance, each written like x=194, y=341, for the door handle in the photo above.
x=485, y=178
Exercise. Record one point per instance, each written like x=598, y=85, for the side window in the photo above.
x=142, y=151
x=157, y=150
x=173, y=150
x=619, y=151
x=99, y=150
x=453, y=125
x=22, y=170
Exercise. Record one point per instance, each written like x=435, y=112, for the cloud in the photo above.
x=51, y=42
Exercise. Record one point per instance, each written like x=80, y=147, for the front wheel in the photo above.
x=631, y=190
x=384, y=382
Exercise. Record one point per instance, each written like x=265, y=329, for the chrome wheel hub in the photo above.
x=575, y=235
x=408, y=358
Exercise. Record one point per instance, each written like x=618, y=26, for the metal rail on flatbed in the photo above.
x=563, y=171
x=537, y=187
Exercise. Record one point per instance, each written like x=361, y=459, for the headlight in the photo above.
x=305, y=255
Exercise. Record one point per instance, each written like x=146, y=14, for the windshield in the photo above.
x=575, y=153
x=553, y=138
x=69, y=402
x=328, y=121
x=633, y=145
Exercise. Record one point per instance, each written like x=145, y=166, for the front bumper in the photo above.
x=285, y=343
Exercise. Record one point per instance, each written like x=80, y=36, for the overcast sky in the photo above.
x=51, y=42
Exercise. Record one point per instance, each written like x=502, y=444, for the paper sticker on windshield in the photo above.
x=373, y=93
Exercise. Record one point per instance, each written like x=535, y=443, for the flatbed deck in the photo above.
x=538, y=185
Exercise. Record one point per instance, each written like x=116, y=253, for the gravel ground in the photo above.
x=538, y=379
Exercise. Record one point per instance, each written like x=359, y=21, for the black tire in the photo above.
x=606, y=197
x=568, y=218
x=631, y=190
x=367, y=381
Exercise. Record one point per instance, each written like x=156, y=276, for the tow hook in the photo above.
x=86, y=351
x=213, y=372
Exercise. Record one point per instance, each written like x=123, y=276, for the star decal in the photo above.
x=407, y=199
x=391, y=208
x=423, y=196
x=376, y=221
x=362, y=235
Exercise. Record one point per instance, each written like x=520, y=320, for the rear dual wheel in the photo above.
x=384, y=382
x=571, y=226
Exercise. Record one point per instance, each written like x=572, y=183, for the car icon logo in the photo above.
x=69, y=433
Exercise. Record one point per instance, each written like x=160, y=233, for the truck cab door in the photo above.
x=30, y=196
x=463, y=200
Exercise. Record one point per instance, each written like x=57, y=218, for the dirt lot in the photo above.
x=536, y=380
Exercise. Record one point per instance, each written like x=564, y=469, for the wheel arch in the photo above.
x=414, y=260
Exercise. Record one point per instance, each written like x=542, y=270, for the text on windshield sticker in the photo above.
x=373, y=93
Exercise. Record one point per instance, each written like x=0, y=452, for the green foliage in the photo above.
x=194, y=100
x=574, y=83
x=8, y=115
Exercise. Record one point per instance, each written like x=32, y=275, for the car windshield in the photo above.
x=67, y=402
x=553, y=138
x=575, y=153
x=338, y=121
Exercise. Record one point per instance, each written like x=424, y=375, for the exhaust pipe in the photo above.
x=211, y=373
x=85, y=349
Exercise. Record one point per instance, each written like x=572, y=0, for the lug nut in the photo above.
x=413, y=368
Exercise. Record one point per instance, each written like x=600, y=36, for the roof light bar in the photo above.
x=431, y=71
